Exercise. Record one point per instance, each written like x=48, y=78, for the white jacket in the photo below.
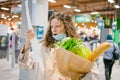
x=26, y=62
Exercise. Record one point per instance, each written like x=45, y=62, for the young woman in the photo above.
x=60, y=26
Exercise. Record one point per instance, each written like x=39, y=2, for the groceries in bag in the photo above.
x=72, y=64
x=76, y=46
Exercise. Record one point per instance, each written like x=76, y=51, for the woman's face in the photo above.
x=57, y=27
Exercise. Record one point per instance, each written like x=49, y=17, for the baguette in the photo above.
x=98, y=51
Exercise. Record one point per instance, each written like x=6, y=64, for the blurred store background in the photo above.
x=91, y=17
x=94, y=19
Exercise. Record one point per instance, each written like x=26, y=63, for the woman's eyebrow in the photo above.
x=57, y=24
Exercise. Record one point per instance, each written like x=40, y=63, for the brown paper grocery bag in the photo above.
x=70, y=61
x=72, y=65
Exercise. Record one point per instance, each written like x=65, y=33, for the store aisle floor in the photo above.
x=115, y=72
x=7, y=72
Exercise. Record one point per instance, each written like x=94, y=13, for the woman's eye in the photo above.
x=57, y=26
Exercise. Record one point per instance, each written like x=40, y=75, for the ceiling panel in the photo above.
x=7, y=13
x=86, y=6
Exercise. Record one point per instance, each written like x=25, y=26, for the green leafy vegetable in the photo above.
x=75, y=46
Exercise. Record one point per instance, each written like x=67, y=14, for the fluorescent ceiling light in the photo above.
x=20, y=5
x=2, y=15
x=77, y=10
x=3, y=8
x=15, y=16
x=9, y=19
x=94, y=13
x=2, y=0
x=52, y=1
x=67, y=6
x=111, y=1
x=116, y=6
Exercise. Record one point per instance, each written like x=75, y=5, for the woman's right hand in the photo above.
x=28, y=35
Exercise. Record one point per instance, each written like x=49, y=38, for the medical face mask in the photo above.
x=59, y=36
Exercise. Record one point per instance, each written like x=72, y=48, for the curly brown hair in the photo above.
x=68, y=25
